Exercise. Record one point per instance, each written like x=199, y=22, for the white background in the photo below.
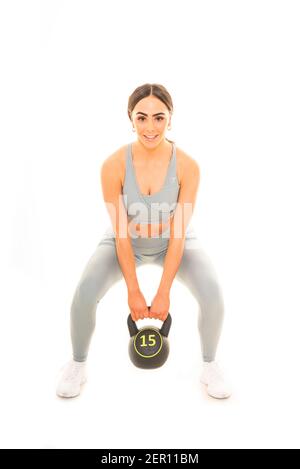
x=67, y=70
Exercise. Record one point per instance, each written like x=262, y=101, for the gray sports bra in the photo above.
x=154, y=208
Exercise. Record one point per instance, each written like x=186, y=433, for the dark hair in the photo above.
x=149, y=89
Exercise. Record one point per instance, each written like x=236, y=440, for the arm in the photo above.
x=185, y=206
x=112, y=193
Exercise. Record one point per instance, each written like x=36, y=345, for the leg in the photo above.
x=101, y=272
x=197, y=273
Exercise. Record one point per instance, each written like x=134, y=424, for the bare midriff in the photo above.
x=148, y=230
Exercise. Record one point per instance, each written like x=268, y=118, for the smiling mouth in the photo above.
x=150, y=137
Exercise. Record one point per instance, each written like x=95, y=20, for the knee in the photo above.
x=211, y=293
x=86, y=292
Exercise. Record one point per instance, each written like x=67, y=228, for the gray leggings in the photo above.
x=103, y=270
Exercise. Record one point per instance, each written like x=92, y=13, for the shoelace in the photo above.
x=70, y=375
x=216, y=372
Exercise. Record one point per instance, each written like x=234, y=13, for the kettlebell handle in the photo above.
x=164, y=330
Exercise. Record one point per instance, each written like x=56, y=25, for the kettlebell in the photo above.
x=148, y=346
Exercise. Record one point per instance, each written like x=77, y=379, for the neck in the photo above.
x=146, y=153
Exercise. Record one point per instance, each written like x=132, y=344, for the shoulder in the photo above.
x=188, y=166
x=115, y=161
x=117, y=156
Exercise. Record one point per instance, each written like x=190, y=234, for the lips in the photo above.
x=150, y=137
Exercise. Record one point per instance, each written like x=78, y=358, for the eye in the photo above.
x=143, y=118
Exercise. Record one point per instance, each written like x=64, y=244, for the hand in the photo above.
x=160, y=306
x=137, y=305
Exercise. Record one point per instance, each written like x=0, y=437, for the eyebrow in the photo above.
x=157, y=114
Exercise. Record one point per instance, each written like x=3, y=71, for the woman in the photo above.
x=149, y=188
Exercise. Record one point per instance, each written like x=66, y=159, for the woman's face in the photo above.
x=150, y=118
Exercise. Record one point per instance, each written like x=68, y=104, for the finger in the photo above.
x=133, y=316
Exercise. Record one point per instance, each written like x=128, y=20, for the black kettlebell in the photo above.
x=149, y=346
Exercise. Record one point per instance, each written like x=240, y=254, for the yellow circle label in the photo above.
x=139, y=334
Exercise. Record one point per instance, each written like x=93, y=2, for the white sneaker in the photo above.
x=73, y=375
x=213, y=378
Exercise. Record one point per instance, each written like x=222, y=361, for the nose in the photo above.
x=150, y=128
